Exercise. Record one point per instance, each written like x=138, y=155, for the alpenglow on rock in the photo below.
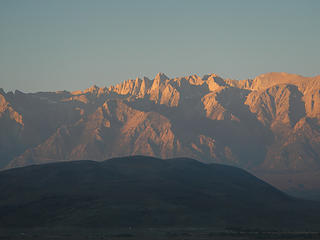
x=268, y=125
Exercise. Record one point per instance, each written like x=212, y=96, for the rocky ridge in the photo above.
x=268, y=124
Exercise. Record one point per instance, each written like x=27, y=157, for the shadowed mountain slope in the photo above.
x=143, y=192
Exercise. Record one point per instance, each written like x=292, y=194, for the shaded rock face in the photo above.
x=270, y=123
x=139, y=191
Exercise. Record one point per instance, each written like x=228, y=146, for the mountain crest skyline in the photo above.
x=267, y=124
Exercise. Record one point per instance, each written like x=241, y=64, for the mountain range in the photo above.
x=269, y=125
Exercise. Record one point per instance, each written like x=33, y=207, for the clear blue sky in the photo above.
x=73, y=44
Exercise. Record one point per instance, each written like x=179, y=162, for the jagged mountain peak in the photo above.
x=161, y=77
x=210, y=75
x=255, y=124
x=191, y=79
x=93, y=89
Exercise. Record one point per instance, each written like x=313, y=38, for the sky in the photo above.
x=48, y=45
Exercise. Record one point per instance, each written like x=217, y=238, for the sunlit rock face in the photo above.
x=266, y=124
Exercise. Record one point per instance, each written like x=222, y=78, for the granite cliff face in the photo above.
x=269, y=125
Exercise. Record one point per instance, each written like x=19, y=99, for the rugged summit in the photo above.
x=269, y=125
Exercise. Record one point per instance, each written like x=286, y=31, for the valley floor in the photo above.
x=150, y=234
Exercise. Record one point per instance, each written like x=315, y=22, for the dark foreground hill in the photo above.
x=146, y=192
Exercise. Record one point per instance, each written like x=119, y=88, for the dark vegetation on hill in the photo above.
x=146, y=192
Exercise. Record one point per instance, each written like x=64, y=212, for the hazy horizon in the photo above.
x=59, y=45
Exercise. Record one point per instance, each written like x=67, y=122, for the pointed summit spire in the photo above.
x=136, y=87
x=161, y=77
x=158, y=81
x=137, y=80
x=2, y=91
x=145, y=84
